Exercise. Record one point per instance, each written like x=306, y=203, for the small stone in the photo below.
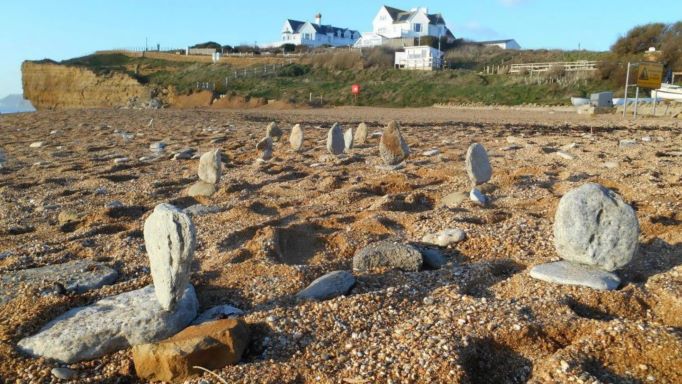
x=593, y=226
x=113, y=204
x=646, y=139
x=565, y=272
x=210, y=166
x=512, y=147
x=157, y=147
x=431, y=152
x=610, y=165
x=217, y=313
x=453, y=200
x=388, y=254
x=433, y=258
x=201, y=210
x=477, y=164
x=390, y=168
x=265, y=148
x=335, y=140
x=201, y=188
x=361, y=134
x=36, y=144
x=67, y=217
x=348, y=139
x=63, y=373
x=121, y=160
x=170, y=238
x=478, y=197
x=392, y=147
x=445, y=238
x=565, y=155
x=184, y=154
x=211, y=345
x=328, y=286
x=273, y=131
x=625, y=143
x=296, y=138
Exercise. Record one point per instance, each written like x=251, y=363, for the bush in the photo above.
x=336, y=60
x=378, y=57
x=294, y=70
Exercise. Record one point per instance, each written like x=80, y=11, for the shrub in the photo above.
x=378, y=57
x=294, y=70
x=209, y=44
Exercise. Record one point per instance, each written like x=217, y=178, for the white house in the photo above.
x=421, y=57
x=315, y=34
x=504, y=44
x=394, y=23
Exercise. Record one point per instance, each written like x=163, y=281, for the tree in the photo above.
x=208, y=44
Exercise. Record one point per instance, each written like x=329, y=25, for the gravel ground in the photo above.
x=276, y=227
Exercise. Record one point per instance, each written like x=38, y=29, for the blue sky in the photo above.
x=61, y=29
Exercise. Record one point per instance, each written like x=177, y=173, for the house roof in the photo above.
x=400, y=16
x=495, y=41
x=295, y=24
x=323, y=29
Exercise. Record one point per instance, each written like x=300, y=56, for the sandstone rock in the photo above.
x=335, y=140
x=217, y=313
x=477, y=164
x=565, y=272
x=387, y=254
x=265, y=148
x=328, y=286
x=210, y=345
x=109, y=325
x=202, y=188
x=348, y=139
x=169, y=237
x=594, y=226
x=210, y=166
x=392, y=146
x=296, y=138
x=478, y=197
x=361, y=134
x=63, y=373
x=75, y=276
x=273, y=131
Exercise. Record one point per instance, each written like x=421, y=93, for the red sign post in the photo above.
x=355, y=90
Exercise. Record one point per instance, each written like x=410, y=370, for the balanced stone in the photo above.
x=209, y=166
x=296, y=138
x=477, y=164
x=348, y=139
x=169, y=237
x=478, y=197
x=335, y=140
x=565, y=272
x=593, y=226
x=392, y=147
x=328, y=286
x=202, y=188
x=388, y=254
x=361, y=134
x=109, y=325
x=273, y=131
x=265, y=148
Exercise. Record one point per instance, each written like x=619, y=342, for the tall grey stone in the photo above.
x=477, y=164
x=348, y=139
x=392, y=147
x=335, y=141
x=265, y=148
x=388, y=254
x=296, y=138
x=361, y=134
x=109, y=325
x=170, y=238
x=273, y=131
x=593, y=226
x=210, y=166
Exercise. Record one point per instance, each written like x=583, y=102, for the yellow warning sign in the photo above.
x=650, y=75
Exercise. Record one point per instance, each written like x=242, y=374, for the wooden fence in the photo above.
x=568, y=66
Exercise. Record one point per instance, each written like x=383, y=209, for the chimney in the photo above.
x=318, y=19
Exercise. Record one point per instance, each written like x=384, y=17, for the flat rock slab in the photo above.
x=76, y=276
x=564, y=272
x=328, y=286
x=109, y=325
x=218, y=312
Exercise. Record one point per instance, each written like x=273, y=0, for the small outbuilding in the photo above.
x=422, y=57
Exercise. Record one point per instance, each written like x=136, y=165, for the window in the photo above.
x=417, y=27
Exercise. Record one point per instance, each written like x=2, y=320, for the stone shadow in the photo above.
x=485, y=361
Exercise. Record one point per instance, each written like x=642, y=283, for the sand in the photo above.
x=277, y=226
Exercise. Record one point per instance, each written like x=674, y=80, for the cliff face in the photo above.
x=54, y=86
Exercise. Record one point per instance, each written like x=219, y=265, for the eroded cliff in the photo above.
x=49, y=85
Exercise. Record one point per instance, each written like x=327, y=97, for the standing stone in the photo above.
x=169, y=237
x=335, y=140
x=392, y=146
x=265, y=148
x=478, y=164
x=273, y=131
x=296, y=138
x=348, y=139
x=361, y=134
x=594, y=226
x=209, y=166
x=201, y=188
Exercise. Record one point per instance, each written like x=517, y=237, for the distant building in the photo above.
x=394, y=23
x=504, y=44
x=422, y=57
x=315, y=34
